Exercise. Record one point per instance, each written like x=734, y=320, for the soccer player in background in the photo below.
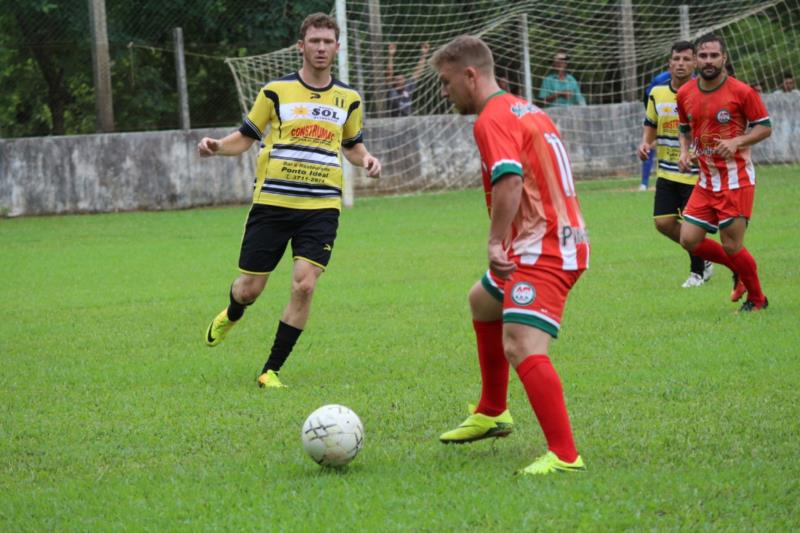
x=673, y=187
x=537, y=250
x=715, y=112
x=661, y=78
x=304, y=122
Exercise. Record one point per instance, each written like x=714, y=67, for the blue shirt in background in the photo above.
x=553, y=84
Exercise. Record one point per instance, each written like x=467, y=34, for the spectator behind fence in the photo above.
x=503, y=83
x=401, y=89
x=560, y=89
x=788, y=85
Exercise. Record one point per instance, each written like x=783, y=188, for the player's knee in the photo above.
x=689, y=242
x=303, y=288
x=731, y=248
x=247, y=294
x=247, y=290
x=665, y=226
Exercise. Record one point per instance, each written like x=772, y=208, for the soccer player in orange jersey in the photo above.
x=722, y=117
x=537, y=250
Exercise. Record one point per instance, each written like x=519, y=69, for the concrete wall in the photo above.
x=160, y=170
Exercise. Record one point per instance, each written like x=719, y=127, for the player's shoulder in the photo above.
x=738, y=86
x=282, y=82
x=688, y=88
x=350, y=91
x=663, y=92
x=499, y=108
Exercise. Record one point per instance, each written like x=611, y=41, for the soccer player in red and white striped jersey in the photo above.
x=537, y=250
x=722, y=117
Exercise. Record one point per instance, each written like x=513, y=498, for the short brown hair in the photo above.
x=318, y=20
x=465, y=51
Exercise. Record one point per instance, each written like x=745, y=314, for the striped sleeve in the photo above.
x=258, y=118
x=499, y=142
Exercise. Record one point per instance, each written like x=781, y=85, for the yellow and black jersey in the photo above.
x=300, y=162
x=662, y=114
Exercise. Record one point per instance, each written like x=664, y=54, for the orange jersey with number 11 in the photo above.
x=516, y=137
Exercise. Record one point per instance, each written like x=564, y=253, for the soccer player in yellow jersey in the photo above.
x=673, y=187
x=304, y=122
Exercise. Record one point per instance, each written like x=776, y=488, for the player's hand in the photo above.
x=392, y=49
x=208, y=147
x=727, y=148
x=644, y=151
x=685, y=162
x=425, y=48
x=372, y=166
x=498, y=261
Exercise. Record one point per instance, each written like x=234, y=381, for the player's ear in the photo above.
x=471, y=73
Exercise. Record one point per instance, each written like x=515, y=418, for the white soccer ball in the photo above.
x=333, y=435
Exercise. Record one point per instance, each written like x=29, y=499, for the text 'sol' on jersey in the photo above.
x=516, y=137
x=300, y=162
x=662, y=114
x=722, y=113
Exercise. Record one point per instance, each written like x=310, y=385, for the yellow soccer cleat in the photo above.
x=478, y=426
x=549, y=463
x=218, y=328
x=269, y=379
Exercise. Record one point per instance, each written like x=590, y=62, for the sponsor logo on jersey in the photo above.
x=520, y=109
x=671, y=124
x=312, y=131
x=568, y=233
x=321, y=112
x=667, y=108
x=724, y=116
x=523, y=293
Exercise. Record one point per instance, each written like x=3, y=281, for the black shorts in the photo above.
x=270, y=228
x=671, y=197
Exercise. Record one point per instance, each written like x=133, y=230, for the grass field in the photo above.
x=115, y=416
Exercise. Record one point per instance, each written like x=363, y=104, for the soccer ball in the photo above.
x=332, y=435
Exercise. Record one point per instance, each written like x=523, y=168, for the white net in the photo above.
x=614, y=49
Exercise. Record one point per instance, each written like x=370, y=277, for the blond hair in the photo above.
x=465, y=51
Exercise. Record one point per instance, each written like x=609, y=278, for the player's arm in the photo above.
x=649, y=130
x=233, y=144
x=648, y=139
x=506, y=194
x=727, y=147
x=360, y=157
x=685, y=139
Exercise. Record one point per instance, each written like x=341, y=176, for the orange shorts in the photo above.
x=714, y=210
x=533, y=296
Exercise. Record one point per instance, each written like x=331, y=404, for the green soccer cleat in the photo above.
x=549, y=463
x=218, y=328
x=478, y=426
x=269, y=379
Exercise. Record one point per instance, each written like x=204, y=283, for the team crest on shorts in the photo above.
x=523, y=293
x=724, y=116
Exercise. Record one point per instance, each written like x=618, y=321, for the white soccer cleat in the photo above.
x=694, y=280
x=708, y=270
x=642, y=187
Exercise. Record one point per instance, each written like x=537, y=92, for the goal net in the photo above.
x=613, y=49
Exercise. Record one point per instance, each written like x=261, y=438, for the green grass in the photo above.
x=114, y=415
